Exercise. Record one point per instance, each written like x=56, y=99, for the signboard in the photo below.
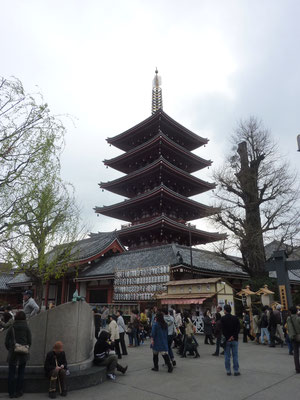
x=141, y=283
x=283, y=297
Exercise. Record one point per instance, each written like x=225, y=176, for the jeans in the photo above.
x=133, y=337
x=265, y=332
x=13, y=386
x=218, y=343
x=289, y=344
x=103, y=323
x=231, y=347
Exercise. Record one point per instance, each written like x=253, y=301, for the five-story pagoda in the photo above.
x=158, y=164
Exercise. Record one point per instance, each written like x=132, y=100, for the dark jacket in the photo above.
x=230, y=326
x=264, y=320
x=207, y=325
x=97, y=320
x=50, y=362
x=272, y=321
x=22, y=336
x=218, y=329
x=101, y=349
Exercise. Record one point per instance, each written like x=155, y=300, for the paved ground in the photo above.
x=266, y=373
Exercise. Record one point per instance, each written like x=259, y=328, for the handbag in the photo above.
x=297, y=336
x=19, y=348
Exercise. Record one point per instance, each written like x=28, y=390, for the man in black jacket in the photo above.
x=231, y=328
x=55, y=368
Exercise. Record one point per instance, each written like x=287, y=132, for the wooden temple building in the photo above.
x=156, y=242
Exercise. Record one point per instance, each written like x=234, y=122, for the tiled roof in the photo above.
x=5, y=277
x=81, y=250
x=87, y=248
x=160, y=256
x=19, y=280
x=207, y=260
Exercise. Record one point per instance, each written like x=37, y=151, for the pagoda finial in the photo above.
x=156, y=93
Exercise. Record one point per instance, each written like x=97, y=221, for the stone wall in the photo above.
x=71, y=323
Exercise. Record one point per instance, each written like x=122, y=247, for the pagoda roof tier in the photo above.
x=151, y=126
x=160, y=171
x=165, y=230
x=160, y=144
x=156, y=201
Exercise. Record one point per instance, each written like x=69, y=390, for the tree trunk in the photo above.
x=252, y=245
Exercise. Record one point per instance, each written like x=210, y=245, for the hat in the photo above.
x=58, y=346
x=28, y=293
x=278, y=307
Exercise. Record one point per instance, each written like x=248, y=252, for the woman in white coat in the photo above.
x=113, y=330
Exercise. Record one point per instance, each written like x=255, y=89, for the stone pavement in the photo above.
x=266, y=373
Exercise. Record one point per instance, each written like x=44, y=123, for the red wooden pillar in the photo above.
x=109, y=294
x=63, y=290
x=46, y=294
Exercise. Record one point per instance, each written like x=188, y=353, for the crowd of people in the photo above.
x=170, y=332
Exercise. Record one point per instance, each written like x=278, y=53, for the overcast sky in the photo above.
x=220, y=61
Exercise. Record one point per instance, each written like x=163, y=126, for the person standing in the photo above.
x=30, y=307
x=278, y=315
x=218, y=333
x=113, y=330
x=208, y=330
x=56, y=367
x=171, y=332
x=159, y=341
x=231, y=328
x=246, y=329
x=19, y=333
x=122, y=330
x=293, y=323
x=264, y=323
x=273, y=328
x=133, y=325
x=97, y=321
x=104, y=316
x=256, y=325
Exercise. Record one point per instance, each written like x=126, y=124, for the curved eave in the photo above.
x=129, y=155
x=156, y=164
x=115, y=209
x=109, y=246
x=159, y=115
x=163, y=221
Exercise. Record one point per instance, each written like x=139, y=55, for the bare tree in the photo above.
x=258, y=195
x=29, y=135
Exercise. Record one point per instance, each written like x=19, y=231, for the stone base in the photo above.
x=36, y=382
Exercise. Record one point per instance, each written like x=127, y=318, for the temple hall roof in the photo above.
x=204, y=261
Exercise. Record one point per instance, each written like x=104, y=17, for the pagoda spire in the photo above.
x=156, y=93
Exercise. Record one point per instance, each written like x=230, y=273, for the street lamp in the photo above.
x=298, y=141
